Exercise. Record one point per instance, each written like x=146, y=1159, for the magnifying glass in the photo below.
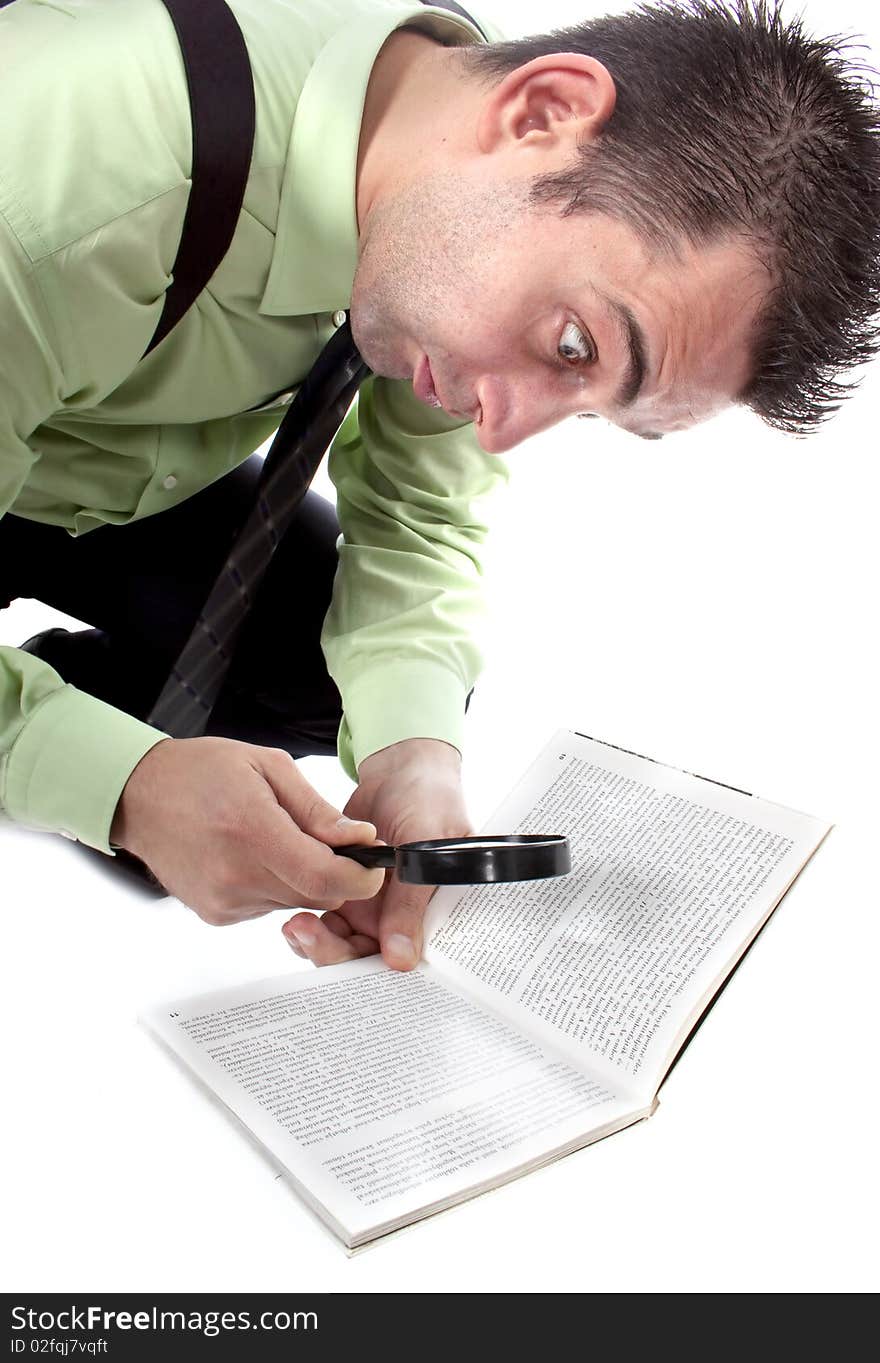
x=470, y=861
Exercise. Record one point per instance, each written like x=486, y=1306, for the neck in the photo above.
x=408, y=116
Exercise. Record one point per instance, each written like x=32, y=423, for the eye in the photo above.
x=574, y=347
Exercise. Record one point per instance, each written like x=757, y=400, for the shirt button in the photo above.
x=338, y=317
x=169, y=483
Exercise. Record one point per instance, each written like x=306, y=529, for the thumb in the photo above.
x=346, y=831
x=311, y=812
x=401, y=925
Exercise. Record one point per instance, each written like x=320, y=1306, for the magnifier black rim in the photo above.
x=478, y=859
x=484, y=841
x=523, y=856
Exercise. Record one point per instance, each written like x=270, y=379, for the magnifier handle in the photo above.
x=368, y=856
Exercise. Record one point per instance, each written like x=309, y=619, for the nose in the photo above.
x=513, y=408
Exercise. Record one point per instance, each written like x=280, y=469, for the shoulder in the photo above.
x=95, y=115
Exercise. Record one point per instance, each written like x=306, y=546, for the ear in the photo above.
x=550, y=104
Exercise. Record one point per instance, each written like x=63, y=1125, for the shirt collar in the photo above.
x=316, y=240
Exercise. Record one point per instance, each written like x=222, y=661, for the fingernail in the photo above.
x=297, y=950
x=305, y=936
x=354, y=823
x=403, y=949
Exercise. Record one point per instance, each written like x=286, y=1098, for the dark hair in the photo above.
x=730, y=121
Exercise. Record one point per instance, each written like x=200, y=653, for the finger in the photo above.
x=362, y=915
x=400, y=924
x=337, y=924
x=284, y=896
x=321, y=946
x=313, y=876
x=280, y=897
x=310, y=811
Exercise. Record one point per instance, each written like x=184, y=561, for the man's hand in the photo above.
x=235, y=831
x=409, y=790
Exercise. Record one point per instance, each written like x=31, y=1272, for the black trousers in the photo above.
x=141, y=587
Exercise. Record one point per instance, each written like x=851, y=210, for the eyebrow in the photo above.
x=637, y=367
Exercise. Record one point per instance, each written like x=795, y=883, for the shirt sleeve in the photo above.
x=401, y=635
x=64, y=756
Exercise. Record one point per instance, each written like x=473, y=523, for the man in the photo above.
x=644, y=219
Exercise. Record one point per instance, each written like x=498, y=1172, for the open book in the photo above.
x=544, y=1016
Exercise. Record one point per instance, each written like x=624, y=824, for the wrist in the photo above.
x=429, y=752
x=118, y=828
x=139, y=783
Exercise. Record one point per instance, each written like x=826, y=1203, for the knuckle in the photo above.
x=314, y=884
x=212, y=914
x=280, y=760
x=313, y=806
x=230, y=825
x=224, y=878
x=409, y=906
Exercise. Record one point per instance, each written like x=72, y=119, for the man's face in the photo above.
x=518, y=317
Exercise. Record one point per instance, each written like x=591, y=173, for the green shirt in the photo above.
x=94, y=160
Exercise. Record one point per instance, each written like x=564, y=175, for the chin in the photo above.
x=381, y=362
x=490, y=446
x=378, y=352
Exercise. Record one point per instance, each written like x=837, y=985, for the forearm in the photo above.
x=64, y=756
x=402, y=634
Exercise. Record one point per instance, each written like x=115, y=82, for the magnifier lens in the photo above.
x=463, y=844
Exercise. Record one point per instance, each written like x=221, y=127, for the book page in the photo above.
x=385, y=1094
x=672, y=877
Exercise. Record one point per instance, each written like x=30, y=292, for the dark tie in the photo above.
x=315, y=415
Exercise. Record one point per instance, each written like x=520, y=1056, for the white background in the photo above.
x=709, y=601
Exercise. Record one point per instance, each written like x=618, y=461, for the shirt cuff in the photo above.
x=67, y=768
x=405, y=699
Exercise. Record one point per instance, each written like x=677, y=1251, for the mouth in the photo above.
x=425, y=390
x=423, y=383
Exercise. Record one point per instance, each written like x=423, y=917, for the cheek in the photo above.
x=483, y=336
x=462, y=343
